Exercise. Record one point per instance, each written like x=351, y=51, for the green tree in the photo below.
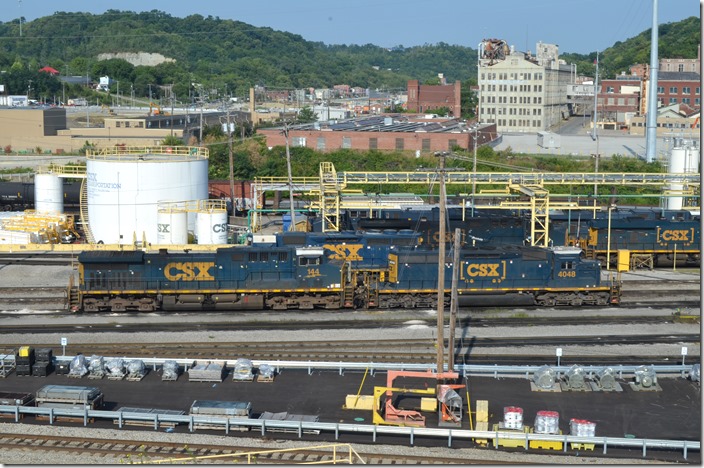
x=306, y=115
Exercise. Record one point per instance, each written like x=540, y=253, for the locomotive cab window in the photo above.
x=567, y=270
x=306, y=261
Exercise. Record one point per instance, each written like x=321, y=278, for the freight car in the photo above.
x=335, y=271
x=646, y=232
x=19, y=196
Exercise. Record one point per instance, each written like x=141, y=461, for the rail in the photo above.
x=261, y=425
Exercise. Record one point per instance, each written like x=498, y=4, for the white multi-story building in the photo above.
x=521, y=92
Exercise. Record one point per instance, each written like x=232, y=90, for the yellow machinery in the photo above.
x=394, y=416
x=155, y=109
x=398, y=417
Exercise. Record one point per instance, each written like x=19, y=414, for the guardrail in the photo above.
x=490, y=370
x=262, y=425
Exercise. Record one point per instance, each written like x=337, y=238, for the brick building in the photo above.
x=394, y=133
x=422, y=98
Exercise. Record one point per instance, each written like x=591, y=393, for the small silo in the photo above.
x=211, y=222
x=172, y=224
x=48, y=193
x=124, y=189
x=684, y=159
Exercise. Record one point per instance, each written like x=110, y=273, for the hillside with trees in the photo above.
x=228, y=57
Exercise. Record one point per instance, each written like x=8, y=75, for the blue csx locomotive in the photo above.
x=658, y=233
x=335, y=271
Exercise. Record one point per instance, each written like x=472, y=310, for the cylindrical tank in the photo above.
x=684, y=158
x=48, y=193
x=211, y=224
x=124, y=190
x=172, y=224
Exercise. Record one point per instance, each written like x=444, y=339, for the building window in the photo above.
x=451, y=144
x=321, y=143
x=673, y=100
x=346, y=142
x=127, y=124
x=399, y=144
x=117, y=124
x=373, y=143
x=680, y=67
x=299, y=141
x=697, y=101
x=698, y=89
x=685, y=100
x=140, y=124
x=609, y=89
x=425, y=144
x=673, y=89
x=661, y=90
x=686, y=90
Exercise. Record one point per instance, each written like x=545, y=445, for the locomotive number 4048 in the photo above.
x=567, y=274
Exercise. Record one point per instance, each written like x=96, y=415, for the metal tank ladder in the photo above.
x=84, y=213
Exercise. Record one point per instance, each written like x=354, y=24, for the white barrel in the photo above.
x=48, y=193
x=172, y=226
x=211, y=227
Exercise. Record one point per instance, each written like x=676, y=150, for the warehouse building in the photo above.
x=397, y=132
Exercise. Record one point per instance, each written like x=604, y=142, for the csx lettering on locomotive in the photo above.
x=674, y=235
x=189, y=271
x=346, y=252
x=485, y=270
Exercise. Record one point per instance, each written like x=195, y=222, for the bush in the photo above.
x=8, y=149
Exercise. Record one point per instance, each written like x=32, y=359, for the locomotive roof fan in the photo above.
x=695, y=373
x=544, y=377
x=575, y=378
x=606, y=378
x=645, y=376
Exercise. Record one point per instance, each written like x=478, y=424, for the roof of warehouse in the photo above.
x=385, y=123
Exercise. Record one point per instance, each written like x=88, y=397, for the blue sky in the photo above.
x=580, y=26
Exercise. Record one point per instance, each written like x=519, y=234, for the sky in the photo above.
x=579, y=26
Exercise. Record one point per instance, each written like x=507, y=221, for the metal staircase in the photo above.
x=84, y=213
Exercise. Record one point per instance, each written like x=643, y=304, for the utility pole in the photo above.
x=474, y=168
x=594, y=133
x=172, y=115
x=291, y=226
x=453, y=301
x=441, y=269
x=232, y=162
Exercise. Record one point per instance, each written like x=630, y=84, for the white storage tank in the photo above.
x=124, y=189
x=684, y=158
x=211, y=222
x=172, y=224
x=48, y=193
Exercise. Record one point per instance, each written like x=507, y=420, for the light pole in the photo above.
x=474, y=168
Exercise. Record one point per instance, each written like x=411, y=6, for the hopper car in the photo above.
x=345, y=270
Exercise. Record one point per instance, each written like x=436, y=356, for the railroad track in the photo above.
x=420, y=351
x=134, y=451
x=39, y=259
